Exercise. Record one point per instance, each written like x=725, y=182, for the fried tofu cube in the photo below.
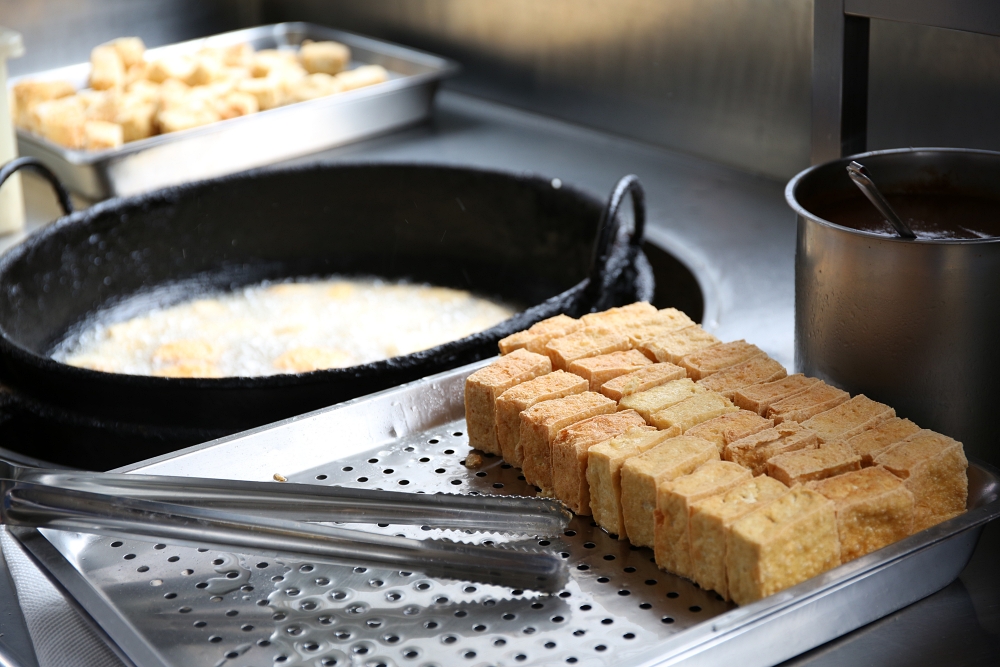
x=641, y=380
x=604, y=467
x=237, y=55
x=325, y=57
x=598, y=370
x=235, y=104
x=807, y=465
x=756, y=370
x=874, y=509
x=570, y=450
x=754, y=451
x=359, y=77
x=177, y=120
x=690, y=412
x=484, y=386
x=172, y=67
x=798, y=408
x=672, y=543
x=61, y=121
x=633, y=313
x=265, y=62
x=205, y=70
x=106, y=68
x=99, y=135
x=710, y=522
x=849, y=419
x=730, y=427
x=27, y=94
x=511, y=403
x=309, y=359
x=874, y=441
x=781, y=544
x=759, y=397
x=190, y=349
x=647, y=327
x=660, y=397
x=270, y=93
x=542, y=422
x=642, y=474
x=131, y=50
x=313, y=87
x=586, y=342
x=933, y=468
x=702, y=363
x=674, y=346
x=534, y=338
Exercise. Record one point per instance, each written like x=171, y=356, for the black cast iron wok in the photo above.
x=518, y=237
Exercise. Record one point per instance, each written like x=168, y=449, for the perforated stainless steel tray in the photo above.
x=166, y=605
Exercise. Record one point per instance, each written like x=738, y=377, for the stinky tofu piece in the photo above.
x=710, y=522
x=359, y=77
x=755, y=370
x=604, y=474
x=570, y=455
x=642, y=474
x=534, y=338
x=672, y=543
x=633, y=313
x=26, y=94
x=874, y=441
x=874, y=509
x=511, y=403
x=702, y=363
x=661, y=397
x=189, y=349
x=324, y=57
x=781, y=544
x=130, y=49
x=807, y=465
x=933, y=467
x=313, y=86
x=730, y=427
x=676, y=345
x=542, y=422
x=759, y=397
x=849, y=419
x=586, y=342
x=647, y=327
x=99, y=135
x=816, y=399
x=690, y=412
x=107, y=70
x=307, y=359
x=270, y=92
x=754, y=451
x=235, y=104
x=640, y=380
x=484, y=386
x=137, y=118
x=60, y=121
x=598, y=370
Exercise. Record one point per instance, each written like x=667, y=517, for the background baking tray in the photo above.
x=166, y=605
x=258, y=139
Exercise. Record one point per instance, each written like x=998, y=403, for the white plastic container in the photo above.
x=11, y=197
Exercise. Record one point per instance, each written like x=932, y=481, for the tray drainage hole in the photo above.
x=201, y=551
x=433, y=441
x=520, y=657
x=392, y=639
x=343, y=635
x=218, y=561
x=215, y=598
x=156, y=582
x=480, y=474
x=667, y=620
x=232, y=612
x=589, y=545
x=603, y=580
x=570, y=533
x=201, y=584
x=449, y=639
x=609, y=557
x=373, y=623
x=312, y=647
x=558, y=619
x=263, y=642
x=170, y=596
x=521, y=477
x=550, y=644
x=408, y=449
x=650, y=582
x=200, y=624
x=537, y=605
x=565, y=594
x=246, y=628
x=128, y=556
x=261, y=603
x=449, y=451
x=543, y=543
x=529, y=631
x=583, y=567
x=469, y=654
x=461, y=614
x=321, y=477
x=232, y=655
x=456, y=482
x=388, y=471
x=232, y=575
x=628, y=635
x=606, y=621
x=185, y=610
x=262, y=565
x=441, y=600
x=673, y=595
x=695, y=608
x=410, y=654
x=499, y=642
x=440, y=471
x=624, y=592
x=362, y=479
x=376, y=583
x=392, y=597
x=277, y=577
x=630, y=570
x=280, y=616
x=585, y=607
x=509, y=617
x=579, y=633
x=159, y=547
x=470, y=589
x=430, y=625
x=571, y=660
x=280, y=658
x=116, y=544
x=457, y=434
x=359, y=570
x=215, y=639
x=347, y=468
x=645, y=605
x=338, y=595
x=403, y=482
x=247, y=588
x=424, y=459
x=422, y=586
x=479, y=628
x=142, y=568
x=173, y=559
x=328, y=662
x=600, y=647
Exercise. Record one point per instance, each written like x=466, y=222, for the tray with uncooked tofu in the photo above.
x=644, y=589
x=382, y=87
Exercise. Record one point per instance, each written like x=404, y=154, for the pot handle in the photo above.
x=607, y=233
x=36, y=165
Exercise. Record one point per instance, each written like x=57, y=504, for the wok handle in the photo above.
x=607, y=233
x=36, y=165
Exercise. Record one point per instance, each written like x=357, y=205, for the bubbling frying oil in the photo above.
x=268, y=329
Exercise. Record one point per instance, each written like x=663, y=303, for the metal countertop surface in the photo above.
x=737, y=235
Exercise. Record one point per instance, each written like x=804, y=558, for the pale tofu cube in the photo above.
x=598, y=370
x=798, y=408
x=758, y=398
x=535, y=338
x=807, y=465
x=849, y=419
x=313, y=86
x=642, y=379
x=702, y=363
x=99, y=135
x=131, y=50
x=661, y=397
x=27, y=94
x=754, y=451
x=674, y=346
x=874, y=441
x=235, y=104
x=757, y=370
x=604, y=474
x=586, y=342
x=678, y=418
x=107, y=70
x=511, y=403
x=61, y=121
x=171, y=67
x=360, y=77
x=730, y=427
x=325, y=57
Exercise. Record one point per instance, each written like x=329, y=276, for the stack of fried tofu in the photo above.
x=739, y=476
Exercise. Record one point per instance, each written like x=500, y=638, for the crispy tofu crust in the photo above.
x=598, y=370
x=660, y=397
x=816, y=399
x=674, y=346
x=633, y=313
x=691, y=411
x=705, y=362
x=755, y=370
x=876, y=440
x=663, y=322
x=517, y=399
x=758, y=398
x=484, y=386
x=570, y=451
x=642, y=380
x=534, y=338
x=849, y=419
x=730, y=427
x=604, y=466
x=754, y=451
x=586, y=342
x=807, y=465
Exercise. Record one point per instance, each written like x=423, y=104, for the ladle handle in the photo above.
x=860, y=176
x=607, y=233
x=36, y=165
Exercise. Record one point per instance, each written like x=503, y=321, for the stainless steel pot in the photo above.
x=915, y=324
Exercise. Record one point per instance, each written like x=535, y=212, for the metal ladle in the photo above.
x=864, y=181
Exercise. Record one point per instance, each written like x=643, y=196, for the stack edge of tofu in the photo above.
x=739, y=476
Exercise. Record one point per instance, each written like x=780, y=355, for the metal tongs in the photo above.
x=273, y=519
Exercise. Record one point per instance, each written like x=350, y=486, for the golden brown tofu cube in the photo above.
x=26, y=94
x=758, y=398
x=325, y=57
x=570, y=455
x=730, y=427
x=517, y=399
x=60, y=121
x=673, y=347
x=690, y=412
x=643, y=473
x=641, y=380
x=933, y=467
x=137, y=118
x=106, y=68
x=647, y=327
x=484, y=386
x=757, y=370
x=754, y=451
x=176, y=120
x=781, y=544
x=800, y=407
x=235, y=104
x=849, y=419
x=359, y=77
x=542, y=422
x=710, y=522
x=672, y=543
x=598, y=370
x=873, y=442
x=633, y=313
x=874, y=509
x=534, y=338
x=660, y=397
x=306, y=359
x=604, y=474
x=586, y=342
x=99, y=135
x=807, y=465
x=702, y=363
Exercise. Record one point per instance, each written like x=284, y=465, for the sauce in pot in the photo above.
x=929, y=215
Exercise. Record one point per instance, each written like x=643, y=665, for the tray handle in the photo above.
x=607, y=233
x=36, y=166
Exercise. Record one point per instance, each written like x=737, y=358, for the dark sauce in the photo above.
x=930, y=216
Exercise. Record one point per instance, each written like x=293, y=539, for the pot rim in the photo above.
x=802, y=212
